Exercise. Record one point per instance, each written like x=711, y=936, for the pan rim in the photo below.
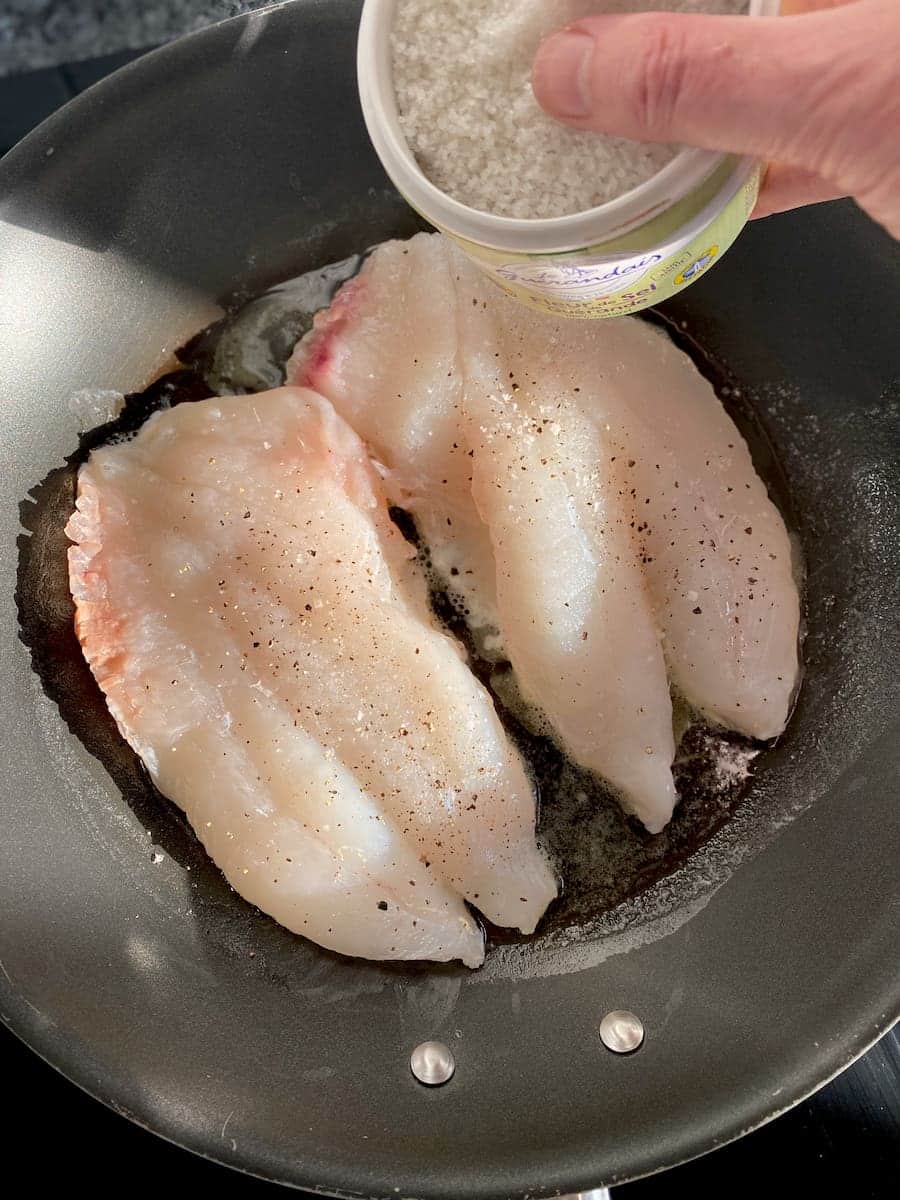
x=844, y=1056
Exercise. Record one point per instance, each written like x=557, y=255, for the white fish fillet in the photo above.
x=264, y=644
x=399, y=385
x=575, y=615
x=713, y=548
x=714, y=541
x=605, y=531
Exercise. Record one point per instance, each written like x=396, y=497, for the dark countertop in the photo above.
x=43, y=33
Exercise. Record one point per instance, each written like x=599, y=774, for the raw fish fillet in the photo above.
x=386, y=355
x=619, y=499
x=264, y=643
x=713, y=549
x=575, y=615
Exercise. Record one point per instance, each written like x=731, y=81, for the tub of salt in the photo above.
x=577, y=224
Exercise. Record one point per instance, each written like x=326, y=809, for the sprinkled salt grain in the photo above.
x=95, y=406
x=462, y=75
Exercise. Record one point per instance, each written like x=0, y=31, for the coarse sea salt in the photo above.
x=462, y=76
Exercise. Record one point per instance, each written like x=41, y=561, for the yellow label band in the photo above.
x=590, y=284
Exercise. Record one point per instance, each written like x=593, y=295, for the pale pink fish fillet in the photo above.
x=575, y=614
x=714, y=549
x=263, y=641
x=385, y=355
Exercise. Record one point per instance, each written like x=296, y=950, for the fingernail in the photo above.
x=562, y=73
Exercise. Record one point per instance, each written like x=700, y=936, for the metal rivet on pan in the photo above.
x=621, y=1032
x=432, y=1063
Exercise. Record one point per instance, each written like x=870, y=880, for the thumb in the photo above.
x=804, y=90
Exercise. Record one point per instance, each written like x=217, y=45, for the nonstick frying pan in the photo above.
x=760, y=962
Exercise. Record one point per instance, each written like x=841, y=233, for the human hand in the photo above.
x=815, y=92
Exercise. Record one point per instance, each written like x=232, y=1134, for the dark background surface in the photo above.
x=845, y=1140
x=42, y=33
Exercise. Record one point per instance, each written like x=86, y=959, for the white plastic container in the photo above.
x=622, y=256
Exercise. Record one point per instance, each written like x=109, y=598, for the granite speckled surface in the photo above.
x=42, y=33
